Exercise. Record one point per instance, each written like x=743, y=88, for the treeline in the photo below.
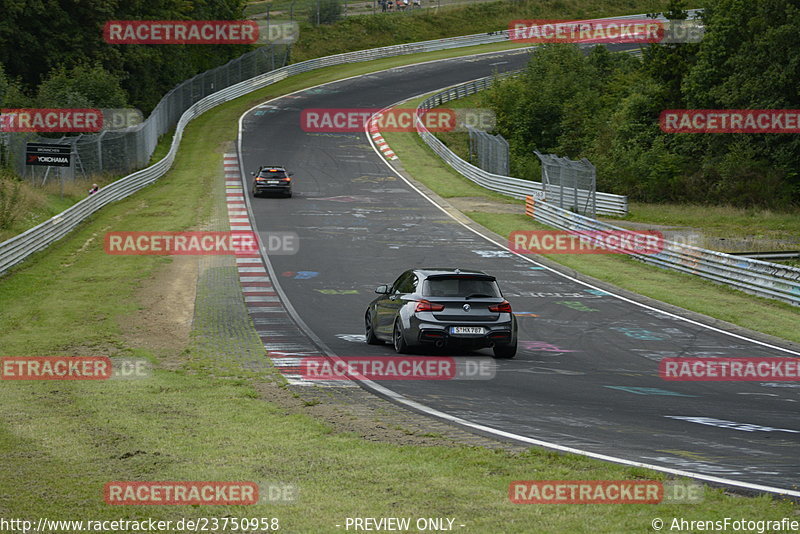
x=52, y=52
x=606, y=107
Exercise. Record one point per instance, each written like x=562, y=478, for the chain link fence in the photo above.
x=125, y=150
x=603, y=203
x=490, y=151
x=569, y=184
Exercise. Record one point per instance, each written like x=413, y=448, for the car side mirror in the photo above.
x=291, y=174
x=382, y=290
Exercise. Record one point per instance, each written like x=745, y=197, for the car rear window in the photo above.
x=272, y=174
x=460, y=287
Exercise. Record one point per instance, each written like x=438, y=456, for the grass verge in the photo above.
x=384, y=29
x=63, y=441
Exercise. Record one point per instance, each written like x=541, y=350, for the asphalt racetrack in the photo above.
x=586, y=374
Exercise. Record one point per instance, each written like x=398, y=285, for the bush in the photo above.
x=10, y=195
x=83, y=86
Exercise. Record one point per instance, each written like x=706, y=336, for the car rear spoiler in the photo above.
x=463, y=275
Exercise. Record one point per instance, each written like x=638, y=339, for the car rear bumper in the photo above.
x=272, y=189
x=502, y=333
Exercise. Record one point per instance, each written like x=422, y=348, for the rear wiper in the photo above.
x=478, y=296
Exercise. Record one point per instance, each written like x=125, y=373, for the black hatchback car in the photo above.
x=272, y=179
x=442, y=308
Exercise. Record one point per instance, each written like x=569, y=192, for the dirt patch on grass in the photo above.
x=164, y=321
x=354, y=410
x=487, y=205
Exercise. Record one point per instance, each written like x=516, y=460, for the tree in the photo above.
x=83, y=86
x=3, y=86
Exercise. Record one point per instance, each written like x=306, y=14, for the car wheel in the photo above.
x=289, y=194
x=372, y=339
x=400, y=345
x=505, y=352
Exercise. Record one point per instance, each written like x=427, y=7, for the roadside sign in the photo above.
x=48, y=155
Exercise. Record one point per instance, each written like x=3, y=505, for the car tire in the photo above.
x=372, y=339
x=505, y=352
x=399, y=340
x=288, y=195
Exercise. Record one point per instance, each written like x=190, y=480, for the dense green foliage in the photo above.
x=46, y=41
x=606, y=107
x=325, y=12
x=49, y=41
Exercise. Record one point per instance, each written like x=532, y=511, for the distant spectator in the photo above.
x=416, y=3
x=94, y=189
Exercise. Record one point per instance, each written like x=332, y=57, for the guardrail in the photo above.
x=775, y=255
x=754, y=276
x=760, y=278
x=607, y=203
x=18, y=248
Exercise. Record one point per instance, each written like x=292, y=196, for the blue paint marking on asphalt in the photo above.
x=305, y=275
x=649, y=391
x=641, y=333
x=536, y=268
x=596, y=292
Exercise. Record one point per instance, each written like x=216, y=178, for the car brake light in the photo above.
x=424, y=305
x=503, y=307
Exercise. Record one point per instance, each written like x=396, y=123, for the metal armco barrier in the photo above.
x=18, y=248
x=760, y=278
x=607, y=203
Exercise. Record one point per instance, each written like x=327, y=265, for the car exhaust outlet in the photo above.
x=439, y=344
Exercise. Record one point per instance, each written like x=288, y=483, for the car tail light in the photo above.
x=287, y=179
x=503, y=307
x=424, y=305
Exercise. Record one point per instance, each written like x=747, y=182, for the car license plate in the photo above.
x=466, y=330
x=273, y=182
